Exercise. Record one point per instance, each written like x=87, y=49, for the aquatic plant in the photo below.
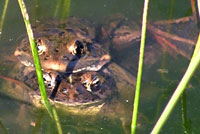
x=140, y=66
x=64, y=7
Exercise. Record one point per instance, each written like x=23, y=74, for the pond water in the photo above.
x=159, y=79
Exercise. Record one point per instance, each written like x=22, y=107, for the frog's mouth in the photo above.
x=80, y=65
x=95, y=65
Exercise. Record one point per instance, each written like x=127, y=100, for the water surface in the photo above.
x=19, y=117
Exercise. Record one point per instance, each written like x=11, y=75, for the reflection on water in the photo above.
x=19, y=117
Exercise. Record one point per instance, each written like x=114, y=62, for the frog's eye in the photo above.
x=96, y=84
x=41, y=47
x=93, y=85
x=78, y=48
x=86, y=83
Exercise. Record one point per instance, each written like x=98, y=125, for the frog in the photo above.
x=50, y=34
x=65, y=47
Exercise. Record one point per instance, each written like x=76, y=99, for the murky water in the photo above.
x=19, y=117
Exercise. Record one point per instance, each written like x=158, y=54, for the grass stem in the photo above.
x=140, y=66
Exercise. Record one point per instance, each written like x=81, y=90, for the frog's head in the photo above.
x=67, y=46
x=88, y=87
x=64, y=55
x=74, y=94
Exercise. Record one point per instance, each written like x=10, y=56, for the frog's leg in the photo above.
x=177, y=35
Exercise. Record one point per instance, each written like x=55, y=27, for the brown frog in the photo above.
x=69, y=40
x=65, y=47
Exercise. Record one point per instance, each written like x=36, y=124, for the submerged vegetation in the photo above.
x=64, y=7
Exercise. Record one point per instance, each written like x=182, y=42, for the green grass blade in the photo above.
x=140, y=66
x=64, y=5
x=35, y=57
x=3, y=16
x=179, y=90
